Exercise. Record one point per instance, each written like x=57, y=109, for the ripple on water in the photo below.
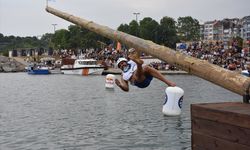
x=73, y=112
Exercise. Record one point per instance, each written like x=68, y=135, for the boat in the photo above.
x=38, y=70
x=81, y=66
x=245, y=73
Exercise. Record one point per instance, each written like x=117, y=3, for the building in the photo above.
x=29, y=52
x=213, y=31
x=246, y=28
x=218, y=31
x=226, y=29
x=208, y=30
x=231, y=28
x=202, y=32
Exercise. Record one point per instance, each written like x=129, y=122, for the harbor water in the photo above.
x=68, y=112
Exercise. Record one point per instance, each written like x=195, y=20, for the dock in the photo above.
x=219, y=126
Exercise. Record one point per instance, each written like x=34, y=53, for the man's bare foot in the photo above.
x=135, y=56
x=134, y=52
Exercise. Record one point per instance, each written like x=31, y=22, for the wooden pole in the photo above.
x=230, y=80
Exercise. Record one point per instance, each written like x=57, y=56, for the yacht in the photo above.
x=81, y=67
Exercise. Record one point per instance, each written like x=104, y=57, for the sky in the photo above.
x=29, y=18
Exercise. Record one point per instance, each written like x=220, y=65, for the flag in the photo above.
x=118, y=46
x=47, y=1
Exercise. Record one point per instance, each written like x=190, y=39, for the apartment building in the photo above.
x=208, y=30
x=218, y=31
x=246, y=28
x=226, y=29
x=213, y=31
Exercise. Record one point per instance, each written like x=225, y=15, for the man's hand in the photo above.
x=173, y=84
x=117, y=82
x=122, y=84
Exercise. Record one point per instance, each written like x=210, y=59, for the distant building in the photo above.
x=226, y=29
x=208, y=30
x=213, y=31
x=246, y=28
x=231, y=28
x=30, y=52
x=218, y=31
x=202, y=32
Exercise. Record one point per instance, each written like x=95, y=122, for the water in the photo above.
x=66, y=112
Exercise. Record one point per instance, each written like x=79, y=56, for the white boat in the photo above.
x=245, y=73
x=82, y=67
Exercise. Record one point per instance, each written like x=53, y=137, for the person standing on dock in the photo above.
x=138, y=75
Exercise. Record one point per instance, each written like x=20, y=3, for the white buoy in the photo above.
x=110, y=81
x=173, y=101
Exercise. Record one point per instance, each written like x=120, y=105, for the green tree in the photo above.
x=168, y=32
x=61, y=39
x=124, y=28
x=76, y=35
x=188, y=28
x=239, y=41
x=83, y=38
x=134, y=28
x=1, y=37
x=149, y=29
x=45, y=40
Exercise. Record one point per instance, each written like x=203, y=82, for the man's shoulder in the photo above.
x=131, y=62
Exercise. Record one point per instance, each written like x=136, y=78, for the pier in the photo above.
x=218, y=126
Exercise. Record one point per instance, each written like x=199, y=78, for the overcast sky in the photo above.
x=29, y=18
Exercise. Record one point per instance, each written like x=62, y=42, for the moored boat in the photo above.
x=245, y=73
x=39, y=70
x=81, y=67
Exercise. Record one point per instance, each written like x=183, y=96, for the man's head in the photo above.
x=121, y=62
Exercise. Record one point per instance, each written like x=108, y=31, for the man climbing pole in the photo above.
x=138, y=75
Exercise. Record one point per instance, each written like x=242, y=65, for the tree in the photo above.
x=188, y=28
x=148, y=29
x=239, y=40
x=83, y=38
x=45, y=40
x=61, y=39
x=134, y=28
x=167, y=32
x=76, y=35
x=124, y=28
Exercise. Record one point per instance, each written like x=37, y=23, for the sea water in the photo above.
x=68, y=112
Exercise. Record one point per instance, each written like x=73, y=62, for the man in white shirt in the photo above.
x=136, y=74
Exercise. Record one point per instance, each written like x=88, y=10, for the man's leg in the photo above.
x=155, y=73
x=139, y=73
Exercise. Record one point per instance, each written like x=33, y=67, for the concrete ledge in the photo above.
x=118, y=71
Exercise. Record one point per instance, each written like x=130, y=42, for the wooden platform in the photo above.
x=220, y=126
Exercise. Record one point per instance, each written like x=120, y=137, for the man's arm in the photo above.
x=122, y=84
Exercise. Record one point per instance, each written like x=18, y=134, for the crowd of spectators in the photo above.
x=230, y=57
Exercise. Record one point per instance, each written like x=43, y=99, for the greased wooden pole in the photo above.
x=201, y=68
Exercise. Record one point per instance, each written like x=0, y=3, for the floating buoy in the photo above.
x=245, y=73
x=110, y=81
x=173, y=101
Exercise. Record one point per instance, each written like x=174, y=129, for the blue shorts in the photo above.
x=144, y=83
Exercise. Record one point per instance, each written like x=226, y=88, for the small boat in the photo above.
x=37, y=69
x=245, y=73
x=82, y=67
